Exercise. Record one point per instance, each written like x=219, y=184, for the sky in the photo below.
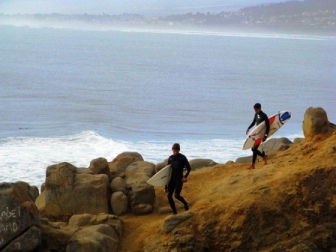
x=114, y=7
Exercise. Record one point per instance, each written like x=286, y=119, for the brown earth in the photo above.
x=287, y=205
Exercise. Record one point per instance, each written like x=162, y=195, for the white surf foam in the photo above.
x=26, y=158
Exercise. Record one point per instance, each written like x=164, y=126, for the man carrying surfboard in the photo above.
x=259, y=117
x=178, y=162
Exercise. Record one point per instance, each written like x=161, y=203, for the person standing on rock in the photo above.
x=178, y=162
x=259, y=117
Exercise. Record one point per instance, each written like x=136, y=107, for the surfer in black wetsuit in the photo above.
x=177, y=161
x=259, y=117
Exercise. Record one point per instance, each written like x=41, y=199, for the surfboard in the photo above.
x=276, y=122
x=162, y=177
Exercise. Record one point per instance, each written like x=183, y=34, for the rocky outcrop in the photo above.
x=198, y=163
x=118, y=184
x=19, y=218
x=273, y=144
x=172, y=221
x=315, y=122
x=142, y=195
x=160, y=165
x=84, y=232
x=96, y=233
x=100, y=166
x=123, y=160
x=119, y=199
x=119, y=202
x=276, y=144
x=68, y=193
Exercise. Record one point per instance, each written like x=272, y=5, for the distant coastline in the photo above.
x=309, y=17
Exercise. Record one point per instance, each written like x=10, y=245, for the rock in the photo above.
x=18, y=218
x=143, y=198
x=100, y=166
x=273, y=144
x=67, y=193
x=28, y=241
x=119, y=203
x=196, y=164
x=94, y=238
x=315, y=122
x=247, y=159
x=139, y=172
x=173, y=221
x=84, y=229
x=123, y=160
x=298, y=140
x=32, y=191
x=40, y=201
x=142, y=195
x=42, y=187
x=60, y=175
x=80, y=220
x=161, y=165
x=276, y=144
x=142, y=209
x=118, y=184
x=55, y=237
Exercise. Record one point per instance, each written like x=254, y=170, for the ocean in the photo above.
x=72, y=95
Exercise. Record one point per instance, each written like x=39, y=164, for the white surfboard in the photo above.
x=257, y=134
x=162, y=177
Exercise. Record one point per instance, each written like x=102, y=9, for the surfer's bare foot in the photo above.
x=251, y=167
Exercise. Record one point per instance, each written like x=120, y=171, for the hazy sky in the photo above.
x=144, y=7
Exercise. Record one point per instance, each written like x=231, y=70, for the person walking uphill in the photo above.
x=177, y=161
x=259, y=117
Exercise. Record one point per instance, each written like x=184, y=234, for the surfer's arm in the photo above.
x=251, y=125
x=267, y=126
x=187, y=166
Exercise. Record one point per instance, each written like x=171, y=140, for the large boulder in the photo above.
x=68, y=193
x=172, y=221
x=84, y=232
x=241, y=160
x=19, y=218
x=100, y=237
x=198, y=163
x=139, y=172
x=100, y=166
x=273, y=144
x=141, y=194
x=315, y=122
x=118, y=184
x=276, y=144
x=160, y=166
x=119, y=203
x=123, y=160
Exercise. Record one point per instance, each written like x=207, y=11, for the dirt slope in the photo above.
x=287, y=205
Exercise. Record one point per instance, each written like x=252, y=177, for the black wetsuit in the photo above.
x=178, y=162
x=259, y=118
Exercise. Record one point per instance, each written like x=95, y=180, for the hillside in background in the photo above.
x=309, y=16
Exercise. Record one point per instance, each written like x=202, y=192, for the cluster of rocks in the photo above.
x=78, y=208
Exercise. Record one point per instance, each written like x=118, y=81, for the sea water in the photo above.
x=70, y=95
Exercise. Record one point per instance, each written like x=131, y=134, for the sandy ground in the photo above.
x=218, y=191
